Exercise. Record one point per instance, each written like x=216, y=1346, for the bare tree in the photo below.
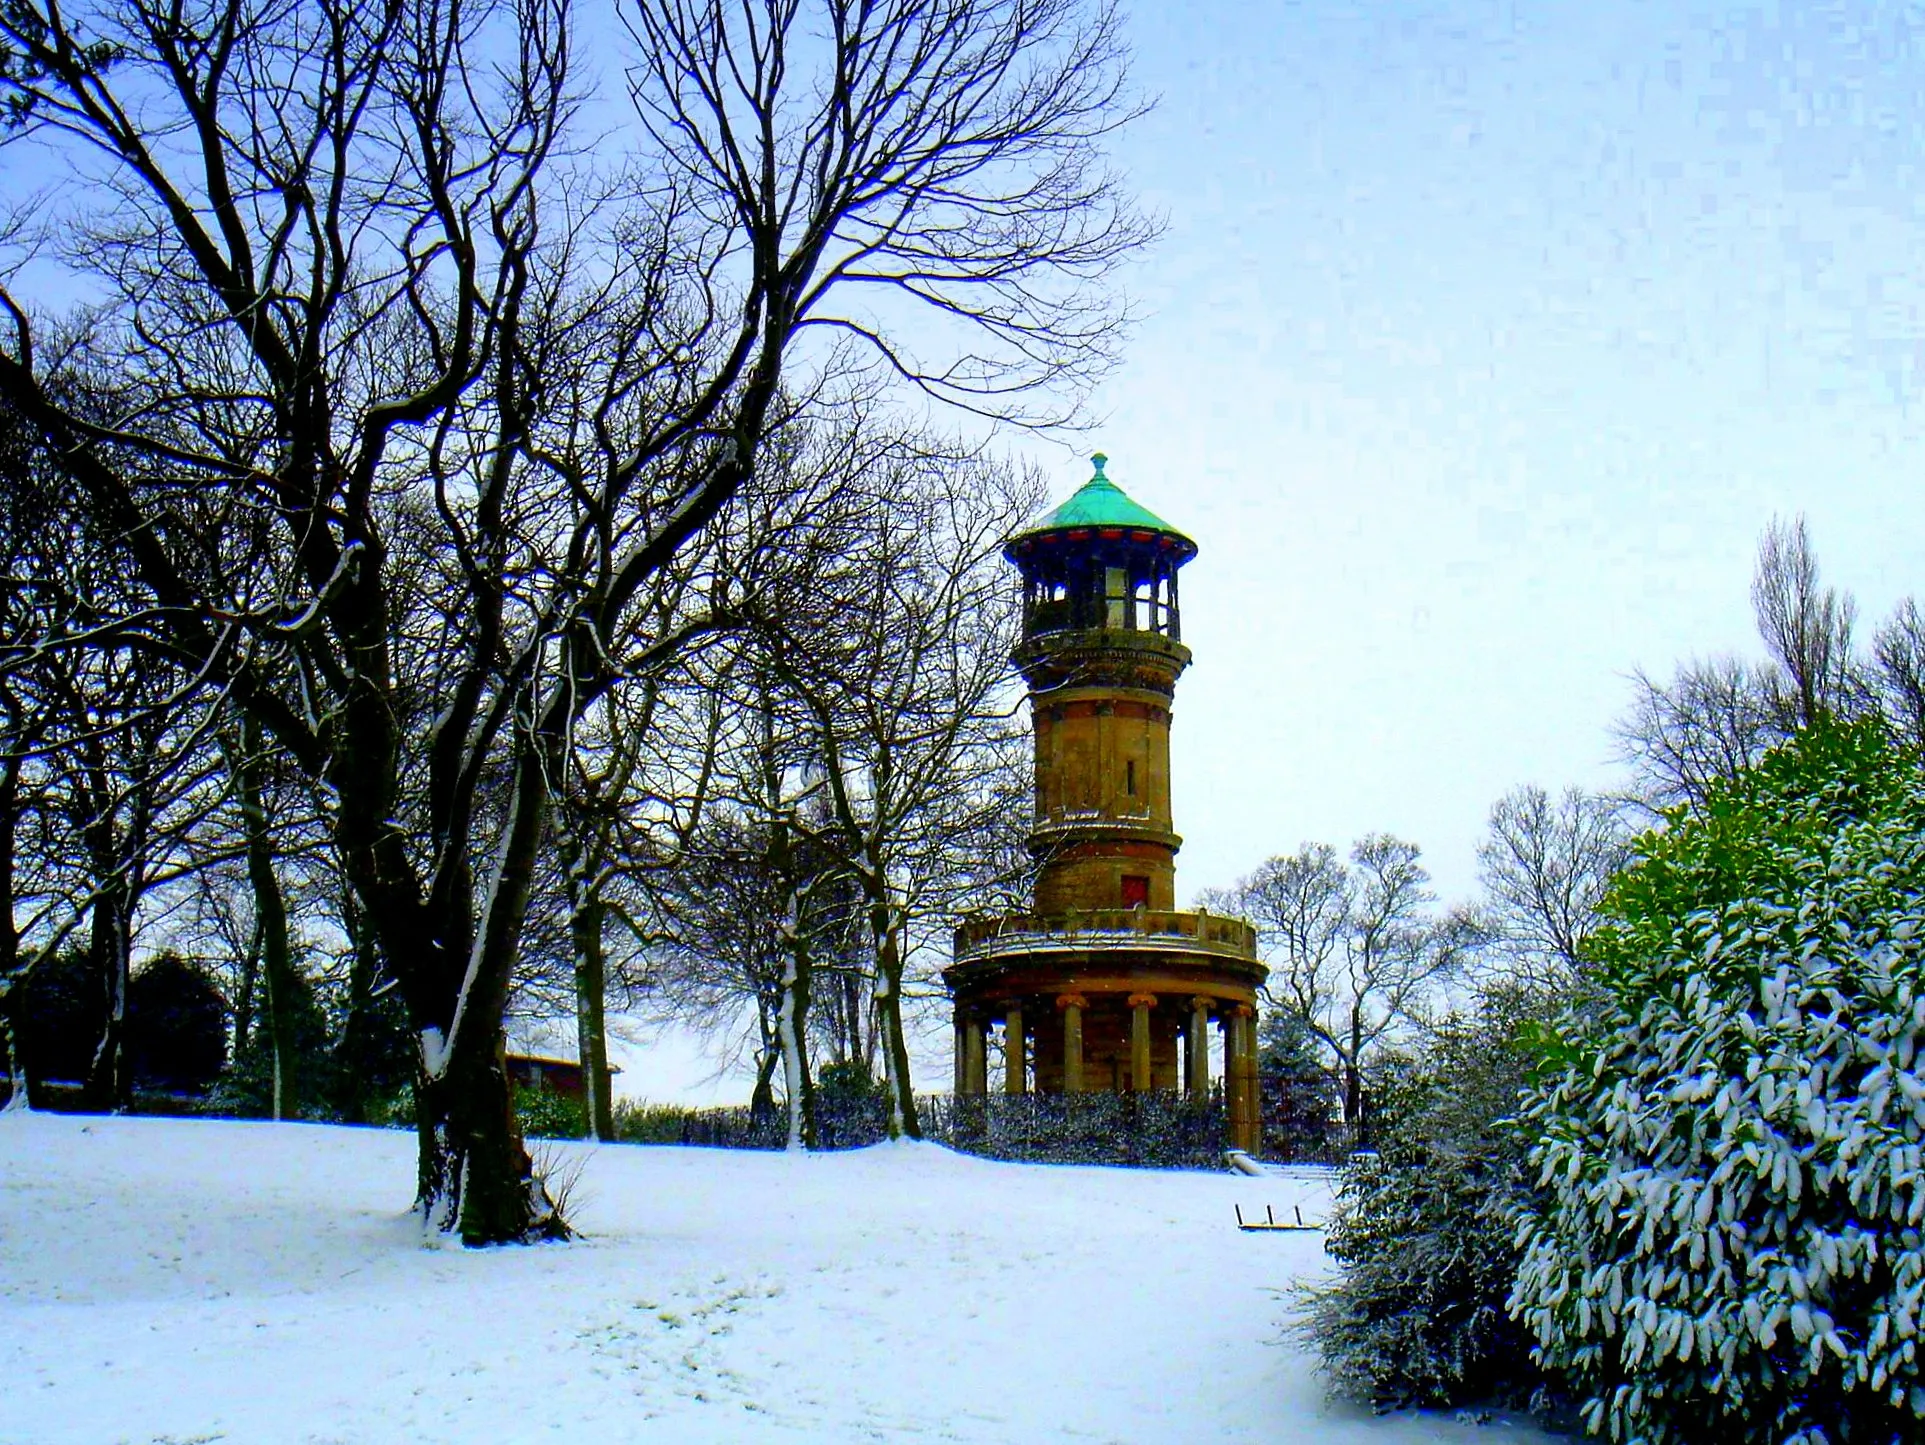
x=1712, y=720
x=246, y=766
x=639, y=775
x=1355, y=951
x=1807, y=629
x=1545, y=864
x=364, y=311
x=717, y=945
x=1898, y=653
x=1717, y=717
x=941, y=153
x=128, y=782
x=901, y=673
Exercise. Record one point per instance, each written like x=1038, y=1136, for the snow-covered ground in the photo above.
x=176, y=1281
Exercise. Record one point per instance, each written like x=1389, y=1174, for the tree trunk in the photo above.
x=244, y=996
x=270, y=911
x=13, y=993
x=352, y=1064
x=587, y=919
x=903, y=1120
x=1351, y=1061
x=591, y=1035
x=792, y=1015
x=762, y=1096
x=108, y=1088
x=862, y=1040
x=13, y=969
x=793, y=1031
x=1353, y=1095
x=475, y=1175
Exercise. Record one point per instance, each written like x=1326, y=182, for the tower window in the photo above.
x=1129, y=777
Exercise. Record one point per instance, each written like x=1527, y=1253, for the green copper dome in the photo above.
x=1100, y=504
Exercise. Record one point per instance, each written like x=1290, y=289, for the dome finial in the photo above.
x=1099, y=459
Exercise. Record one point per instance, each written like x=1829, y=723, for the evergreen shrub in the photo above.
x=1424, y=1226
x=546, y=1113
x=1728, y=1245
x=842, y=1080
x=639, y=1122
x=1301, y=1105
x=176, y=1038
x=60, y=1019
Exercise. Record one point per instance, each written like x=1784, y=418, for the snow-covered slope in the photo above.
x=196, y=1281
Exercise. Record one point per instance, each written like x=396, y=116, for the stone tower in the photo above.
x=1104, y=985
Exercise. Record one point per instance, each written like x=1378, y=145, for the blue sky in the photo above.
x=1484, y=342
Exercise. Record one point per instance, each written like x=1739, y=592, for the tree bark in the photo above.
x=352, y=1054
x=581, y=841
x=903, y=1119
x=107, y=1088
x=762, y=1096
x=13, y=971
x=18, y=1096
x=244, y=996
x=1354, y=1071
x=792, y=1017
x=244, y=761
x=792, y=1029
x=475, y=1174
x=591, y=1033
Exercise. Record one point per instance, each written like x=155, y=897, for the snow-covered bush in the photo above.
x=1424, y=1229
x=1728, y=1243
x=546, y=1113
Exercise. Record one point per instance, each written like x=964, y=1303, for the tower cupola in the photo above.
x=1100, y=561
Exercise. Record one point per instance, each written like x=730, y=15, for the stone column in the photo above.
x=1140, y=1006
x=1239, y=1075
x=1254, y=1109
x=962, y=1058
x=1072, y=1005
x=975, y=1072
x=1199, y=1059
x=1232, y=1076
x=1014, y=1079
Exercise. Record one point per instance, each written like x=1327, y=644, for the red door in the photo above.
x=1136, y=892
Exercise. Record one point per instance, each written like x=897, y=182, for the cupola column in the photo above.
x=1014, y=1060
x=975, y=1070
x=1199, y=1046
x=1239, y=1075
x=1072, y=1005
x=1140, y=1006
